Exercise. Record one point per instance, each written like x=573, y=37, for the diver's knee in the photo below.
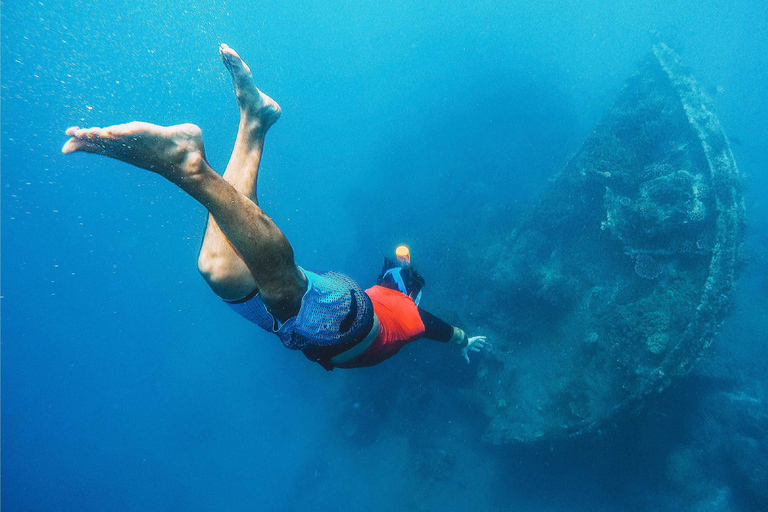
x=229, y=280
x=209, y=267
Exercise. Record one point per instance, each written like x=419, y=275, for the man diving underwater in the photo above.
x=248, y=262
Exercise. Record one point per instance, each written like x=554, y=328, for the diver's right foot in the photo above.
x=257, y=110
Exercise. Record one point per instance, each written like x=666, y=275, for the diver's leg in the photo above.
x=176, y=153
x=219, y=263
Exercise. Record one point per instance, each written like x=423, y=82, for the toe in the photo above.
x=76, y=144
x=227, y=52
x=233, y=62
x=69, y=147
x=87, y=132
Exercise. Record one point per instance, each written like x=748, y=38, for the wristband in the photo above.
x=459, y=337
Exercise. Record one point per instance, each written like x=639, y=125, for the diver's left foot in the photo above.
x=174, y=152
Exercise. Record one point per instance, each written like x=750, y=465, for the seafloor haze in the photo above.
x=127, y=385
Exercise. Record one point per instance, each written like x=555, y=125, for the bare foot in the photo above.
x=256, y=108
x=174, y=152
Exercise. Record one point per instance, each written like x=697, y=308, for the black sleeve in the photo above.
x=435, y=329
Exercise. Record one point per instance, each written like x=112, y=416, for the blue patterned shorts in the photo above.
x=335, y=310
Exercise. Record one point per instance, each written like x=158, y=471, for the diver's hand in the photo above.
x=475, y=344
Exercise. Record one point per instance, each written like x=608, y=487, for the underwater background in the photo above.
x=127, y=385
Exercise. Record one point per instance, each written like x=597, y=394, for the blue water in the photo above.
x=127, y=385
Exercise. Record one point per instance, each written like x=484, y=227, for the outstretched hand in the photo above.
x=475, y=344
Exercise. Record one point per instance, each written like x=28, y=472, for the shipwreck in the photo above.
x=615, y=282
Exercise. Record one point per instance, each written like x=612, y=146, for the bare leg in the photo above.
x=219, y=262
x=176, y=153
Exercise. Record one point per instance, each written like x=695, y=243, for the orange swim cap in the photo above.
x=403, y=254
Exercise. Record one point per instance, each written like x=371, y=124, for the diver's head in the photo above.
x=401, y=276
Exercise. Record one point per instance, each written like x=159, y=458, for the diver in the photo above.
x=248, y=262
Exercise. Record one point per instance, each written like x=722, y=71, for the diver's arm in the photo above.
x=438, y=330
